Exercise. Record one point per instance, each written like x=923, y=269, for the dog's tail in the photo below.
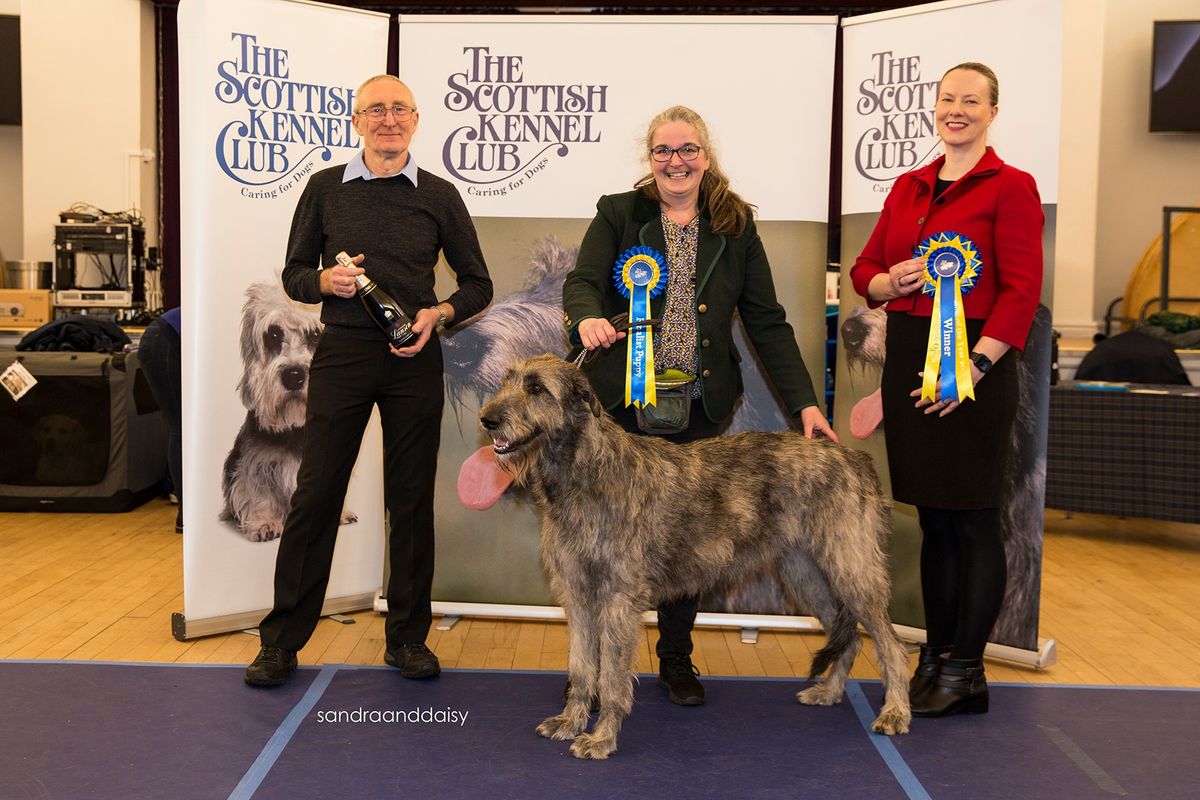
x=838, y=641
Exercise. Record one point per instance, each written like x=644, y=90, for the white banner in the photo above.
x=537, y=116
x=534, y=118
x=266, y=91
x=892, y=62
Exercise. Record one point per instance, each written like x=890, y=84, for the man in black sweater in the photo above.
x=397, y=218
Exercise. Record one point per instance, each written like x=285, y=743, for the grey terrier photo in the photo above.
x=522, y=324
x=278, y=339
x=631, y=521
x=529, y=322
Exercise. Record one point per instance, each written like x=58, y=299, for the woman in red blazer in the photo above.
x=946, y=457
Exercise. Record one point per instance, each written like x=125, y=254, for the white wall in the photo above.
x=1139, y=172
x=1078, y=174
x=84, y=64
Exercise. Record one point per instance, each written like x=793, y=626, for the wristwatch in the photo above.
x=441, y=323
x=981, y=362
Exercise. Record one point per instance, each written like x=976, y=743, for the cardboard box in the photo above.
x=25, y=308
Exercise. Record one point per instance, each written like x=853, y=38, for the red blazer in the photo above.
x=998, y=208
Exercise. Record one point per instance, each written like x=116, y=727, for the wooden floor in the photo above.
x=1120, y=597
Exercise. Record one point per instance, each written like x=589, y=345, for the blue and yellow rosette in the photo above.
x=640, y=274
x=952, y=266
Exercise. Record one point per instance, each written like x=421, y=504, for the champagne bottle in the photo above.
x=386, y=312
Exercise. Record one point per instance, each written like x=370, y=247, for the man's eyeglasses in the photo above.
x=687, y=152
x=377, y=113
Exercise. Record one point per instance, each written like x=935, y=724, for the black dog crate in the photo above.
x=87, y=437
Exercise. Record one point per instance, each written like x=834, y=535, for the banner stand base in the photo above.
x=184, y=629
x=1044, y=656
x=447, y=622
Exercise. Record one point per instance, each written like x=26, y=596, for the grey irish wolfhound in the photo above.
x=630, y=521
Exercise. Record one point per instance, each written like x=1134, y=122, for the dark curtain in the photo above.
x=167, y=47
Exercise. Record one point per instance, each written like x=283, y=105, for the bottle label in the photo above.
x=401, y=334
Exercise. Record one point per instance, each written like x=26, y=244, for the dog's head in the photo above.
x=863, y=335
x=278, y=339
x=58, y=434
x=541, y=400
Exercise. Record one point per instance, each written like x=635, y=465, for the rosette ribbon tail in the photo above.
x=639, y=358
x=962, y=359
x=952, y=268
x=640, y=274
x=947, y=367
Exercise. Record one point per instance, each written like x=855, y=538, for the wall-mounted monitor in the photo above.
x=1175, y=87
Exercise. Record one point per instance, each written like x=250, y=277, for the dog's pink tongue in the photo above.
x=481, y=481
x=866, y=415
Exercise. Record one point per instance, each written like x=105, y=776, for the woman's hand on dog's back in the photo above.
x=339, y=280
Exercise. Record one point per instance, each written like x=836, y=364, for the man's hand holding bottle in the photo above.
x=404, y=338
x=339, y=280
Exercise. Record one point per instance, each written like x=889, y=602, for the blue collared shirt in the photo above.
x=357, y=168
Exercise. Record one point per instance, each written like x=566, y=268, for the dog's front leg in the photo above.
x=582, y=669
x=620, y=628
x=260, y=514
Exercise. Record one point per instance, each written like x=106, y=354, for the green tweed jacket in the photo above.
x=732, y=274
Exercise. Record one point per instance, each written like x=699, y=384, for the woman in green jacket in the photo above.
x=685, y=210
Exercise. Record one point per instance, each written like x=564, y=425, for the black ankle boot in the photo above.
x=929, y=664
x=960, y=686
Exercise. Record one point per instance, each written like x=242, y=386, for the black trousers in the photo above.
x=676, y=618
x=159, y=355
x=348, y=378
x=963, y=577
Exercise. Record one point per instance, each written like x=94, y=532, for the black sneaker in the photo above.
x=677, y=675
x=271, y=667
x=414, y=660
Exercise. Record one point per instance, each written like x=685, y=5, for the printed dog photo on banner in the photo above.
x=278, y=339
x=862, y=342
x=529, y=322
x=520, y=324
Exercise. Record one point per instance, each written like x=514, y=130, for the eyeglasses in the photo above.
x=377, y=113
x=687, y=152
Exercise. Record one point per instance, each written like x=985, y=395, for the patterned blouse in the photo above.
x=675, y=343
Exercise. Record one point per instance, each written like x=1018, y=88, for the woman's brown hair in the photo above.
x=727, y=211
